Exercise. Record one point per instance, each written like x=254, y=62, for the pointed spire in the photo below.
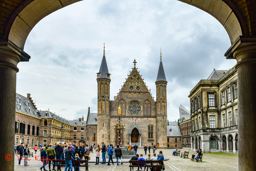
x=103, y=72
x=161, y=73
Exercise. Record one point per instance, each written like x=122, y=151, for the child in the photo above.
x=77, y=168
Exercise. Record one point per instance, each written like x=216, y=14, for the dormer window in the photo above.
x=29, y=109
x=75, y=123
x=170, y=130
x=46, y=114
x=95, y=119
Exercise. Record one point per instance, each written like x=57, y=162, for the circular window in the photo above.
x=134, y=108
x=131, y=88
x=138, y=88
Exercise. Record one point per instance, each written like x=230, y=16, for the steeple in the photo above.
x=103, y=72
x=161, y=73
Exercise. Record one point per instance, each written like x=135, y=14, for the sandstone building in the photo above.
x=214, y=112
x=145, y=120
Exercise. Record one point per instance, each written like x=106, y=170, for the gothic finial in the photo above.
x=160, y=53
x=104, y=48
x=134, y=63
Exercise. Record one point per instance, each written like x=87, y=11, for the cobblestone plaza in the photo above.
x=211, y=162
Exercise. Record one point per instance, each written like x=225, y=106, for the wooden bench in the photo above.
x=184, y=154
x=156, y=164
x=61, y=163
x=177, y=153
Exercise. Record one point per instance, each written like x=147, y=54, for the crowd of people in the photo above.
x=69, y=152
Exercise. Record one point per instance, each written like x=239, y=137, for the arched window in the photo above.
x=75, y=129
x=82, y=128
x=147, y=108
x=224, y=144
x=230, y=143
x=74, y=136
x=213, y=142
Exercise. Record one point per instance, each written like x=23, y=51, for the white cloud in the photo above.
x=66, y=50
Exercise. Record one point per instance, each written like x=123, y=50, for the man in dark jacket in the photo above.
x=103, y=150
x=59, y=151
x=135, y=148
x=136, y=157
x=21, y=151
x=149, y=147
x=68, y=158
x=118, y=153
x=145, y=149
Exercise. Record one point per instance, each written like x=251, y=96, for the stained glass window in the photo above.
x=134, y=108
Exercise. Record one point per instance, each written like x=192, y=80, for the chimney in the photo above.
x=80, y=119
x=83, y=118
x=28, y=95
x=89, y=110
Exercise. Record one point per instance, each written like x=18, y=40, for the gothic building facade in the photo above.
x=144, y=119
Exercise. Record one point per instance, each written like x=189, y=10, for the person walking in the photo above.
x=149, y=147
x=43, y=158
x=110, y=154
x=135, y=148
x=81, y=152
x=26, y=153
x=154, y=148
x=15, y=148
x=118, y=153
x=86, y=154
x=51, y=156
x=145, y=149
x=58, y=151
x=35, y=148
x=97, y=155
x=68, y=158
x=21, y=151
x=103, y=150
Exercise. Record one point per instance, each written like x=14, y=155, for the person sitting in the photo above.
x=160, y=156
x=199, y=153
x=135, y=158
x=175, y=151
x=77, y=168
x=141, y=159
x=153, y=158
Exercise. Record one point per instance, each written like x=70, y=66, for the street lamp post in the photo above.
x=119, y=130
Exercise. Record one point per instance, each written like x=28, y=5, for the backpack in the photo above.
x=106, y=148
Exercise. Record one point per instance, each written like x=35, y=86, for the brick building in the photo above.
x=185, y=126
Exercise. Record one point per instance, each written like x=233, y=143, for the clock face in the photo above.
x=138, y=88
x=131, y=88
x=134, y=108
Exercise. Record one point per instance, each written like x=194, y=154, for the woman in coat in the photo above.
x=118, y=153
x=97, y=155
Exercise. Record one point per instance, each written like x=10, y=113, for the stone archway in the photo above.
x=224, y=143
x=236, y=17
x=230, y=143
x=135, y=135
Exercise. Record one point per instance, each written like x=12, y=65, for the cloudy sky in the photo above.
x=66, y=52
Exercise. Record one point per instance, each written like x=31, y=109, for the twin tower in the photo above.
x=145, y=119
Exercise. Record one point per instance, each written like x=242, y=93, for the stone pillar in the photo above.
x=234, y=146
x=245, y=55
x=8, y=69
x=191, y=144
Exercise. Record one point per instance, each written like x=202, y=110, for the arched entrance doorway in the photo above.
x=135, y=135
x=224, y=144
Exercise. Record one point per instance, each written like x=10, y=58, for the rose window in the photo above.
x=134, y=108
